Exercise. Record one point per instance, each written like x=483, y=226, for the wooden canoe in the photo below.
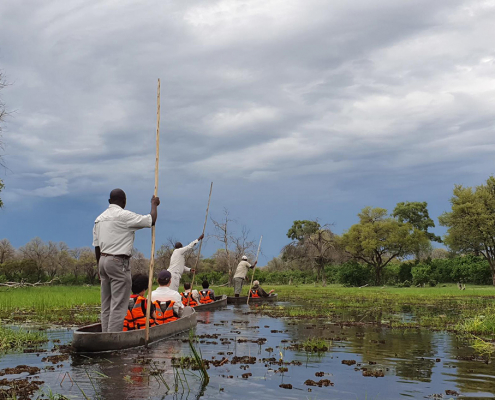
x=90, y=339
x=253, y=300
x=220, y=301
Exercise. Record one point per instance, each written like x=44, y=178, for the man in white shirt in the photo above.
x=113, y=238
x=178, y=262
x=240, y=275
x=165, y=293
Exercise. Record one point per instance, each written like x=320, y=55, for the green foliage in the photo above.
x=19, y=270
x=16, y=339
x=302, y=229
x=416, y=213
x=378, y=239
x=471, y=223
x=354, y=274
x=404, y=273
x=421, y=274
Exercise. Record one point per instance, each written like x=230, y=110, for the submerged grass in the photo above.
x=16, y=339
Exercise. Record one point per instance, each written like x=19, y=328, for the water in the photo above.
x=415, y=363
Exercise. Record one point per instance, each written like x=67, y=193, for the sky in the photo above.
x=295, y=109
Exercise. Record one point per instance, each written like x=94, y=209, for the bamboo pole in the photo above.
x=152, y=258
x=200, y=244
x=252, y=278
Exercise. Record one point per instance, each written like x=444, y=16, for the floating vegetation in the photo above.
x=320, y=383
x=18, y=338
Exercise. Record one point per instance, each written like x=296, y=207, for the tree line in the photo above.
x=381, y=248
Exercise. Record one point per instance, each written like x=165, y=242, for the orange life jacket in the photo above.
x=136, y=314
x=204, y=296
x=185, y=297
x=164, y=312
x=254, y=293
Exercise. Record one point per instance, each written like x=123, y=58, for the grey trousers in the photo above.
x=238, y=285
x=115, y=275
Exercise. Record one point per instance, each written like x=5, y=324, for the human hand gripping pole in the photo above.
x=256, y=262
x=156, y=201
x=200, y=244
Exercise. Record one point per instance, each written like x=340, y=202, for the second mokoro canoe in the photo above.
x=220, y=301
x=90, y=339
x=253, y=300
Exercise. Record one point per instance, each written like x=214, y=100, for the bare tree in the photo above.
x=75, y=266
x=87, y=261
x=38, y=252
x=223, y=235
x=139, y=263
x=7, y=251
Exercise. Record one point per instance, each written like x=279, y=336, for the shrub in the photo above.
x=354, y=274
x=421, y=274
x=404, y=273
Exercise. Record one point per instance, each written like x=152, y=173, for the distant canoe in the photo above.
x=220, y=301
x=253, y=300
x=90, y=339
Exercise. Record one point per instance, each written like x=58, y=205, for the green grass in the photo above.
x=16, y=339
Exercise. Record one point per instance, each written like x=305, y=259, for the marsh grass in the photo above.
x=16, y=339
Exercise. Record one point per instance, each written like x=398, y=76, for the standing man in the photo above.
x=178, y=262
x=113, y=238
x=240, y=275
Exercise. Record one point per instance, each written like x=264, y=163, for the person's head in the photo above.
x=244, y=258
x=117, y=196
x=187, y=286
x=164, y=278
x=178, y=245
x=139, y=283
x=256, y=283
x=205, y=284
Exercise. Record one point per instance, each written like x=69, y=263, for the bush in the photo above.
x=421, y=274
x=354, y=274
x=404, y=274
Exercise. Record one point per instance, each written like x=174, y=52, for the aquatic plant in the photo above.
x=16, y=339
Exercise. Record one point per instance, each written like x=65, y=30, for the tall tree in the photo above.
x=378, y=239
x=311, y=242
x=471, y=223
x=3, y=113
x=416, y=213
x=38, y=252
x=223, y=235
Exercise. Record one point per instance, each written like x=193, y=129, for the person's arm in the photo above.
x=155, y=202
x=97, y=255
x=254, y=265
x=262, y=292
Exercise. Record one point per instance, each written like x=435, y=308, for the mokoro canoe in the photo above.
x=90, y=339
x=220, y=301
x=252, y=300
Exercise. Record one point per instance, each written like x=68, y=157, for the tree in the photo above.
x=39, y=253
x=139, y=263
x=416, y=213
x=471, y=223
x=377, y=239
x=311, y=242
x=87, y=262
x=222, y=234
x=7, y=251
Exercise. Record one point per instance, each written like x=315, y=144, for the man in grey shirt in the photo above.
x=240, y=275
x=113, y=239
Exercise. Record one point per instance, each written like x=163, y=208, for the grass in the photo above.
x=16, y=339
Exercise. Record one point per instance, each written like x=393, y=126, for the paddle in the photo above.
x=200, y=244
x=252, y=278
x=152, y=258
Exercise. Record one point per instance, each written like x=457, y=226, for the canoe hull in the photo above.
x=252, y=300
x=220, y=301
x=90, y=339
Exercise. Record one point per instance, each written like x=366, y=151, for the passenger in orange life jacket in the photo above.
x=206, y=295
x=164, y=293
x=257, y=291
x=194, y=301
x=136, y=312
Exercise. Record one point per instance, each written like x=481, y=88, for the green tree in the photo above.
x=377, y=239
x=416, y=213
x=302, y=229
x=471, y=223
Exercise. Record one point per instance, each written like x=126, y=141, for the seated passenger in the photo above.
x=167, y=301
x=257, y=291
x=136, y=313
x=206, y=295
x=193, y=302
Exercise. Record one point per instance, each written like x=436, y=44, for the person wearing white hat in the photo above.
x=240, y=275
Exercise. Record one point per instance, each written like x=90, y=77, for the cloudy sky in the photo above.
x=295, y=109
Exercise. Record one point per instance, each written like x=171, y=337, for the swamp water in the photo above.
x=262, y=355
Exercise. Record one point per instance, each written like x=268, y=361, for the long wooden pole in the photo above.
x=152, y=258
x=252, y=278
x=200, y=244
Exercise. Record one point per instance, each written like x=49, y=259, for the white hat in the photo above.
x=256, y=283
x=244, y=257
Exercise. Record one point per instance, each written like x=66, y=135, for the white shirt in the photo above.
x=242, y=269
x=164, y=293
x=114, y=229
x=195, y=294
x=178, y=259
